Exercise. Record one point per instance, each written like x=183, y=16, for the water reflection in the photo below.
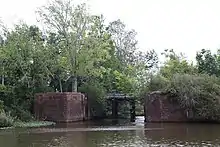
x=109, y=133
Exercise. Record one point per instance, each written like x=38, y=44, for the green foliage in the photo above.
x=82, y=40
x=76, y=49
x=96, y=98
x=123, y=82
x=21, y=113
x=157, y=83
x=31, y=124
x=12, y=102
x=6, y=120
x=1, y=106
x=208, y=63
x=176, y=64
x=199, y=94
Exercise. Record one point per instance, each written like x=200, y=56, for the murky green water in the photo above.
x=113, y=134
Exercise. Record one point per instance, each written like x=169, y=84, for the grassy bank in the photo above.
x=8, y=121
x=33, y=124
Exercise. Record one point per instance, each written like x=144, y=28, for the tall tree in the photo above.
x=76, y=29
x=124, y=41
x=208, y=63
x=175, y=64
x=3, y=33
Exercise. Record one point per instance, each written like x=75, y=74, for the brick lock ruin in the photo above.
x=159, y=108
x=61, y=107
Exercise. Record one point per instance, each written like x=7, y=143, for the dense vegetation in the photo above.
x=196, y=88
x=78, y=51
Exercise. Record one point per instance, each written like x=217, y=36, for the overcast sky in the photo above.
x=184, y=25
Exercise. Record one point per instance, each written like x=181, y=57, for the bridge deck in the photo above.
x=120, y=97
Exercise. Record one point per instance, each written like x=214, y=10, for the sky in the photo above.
x=183, y=25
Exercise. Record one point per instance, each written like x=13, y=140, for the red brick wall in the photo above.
x=61, y=107
x=158, y=108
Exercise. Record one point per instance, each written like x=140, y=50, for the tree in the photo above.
x=3, y=32
x=208, y=63
x=82, y=40
x=24, y=49
x=23, y=68
x=128, y=62
x=175, y=64
x=124, y=41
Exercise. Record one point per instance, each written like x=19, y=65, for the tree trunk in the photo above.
x=61, y=87
x=74, y=84
x=3, y=77
x=3, y=80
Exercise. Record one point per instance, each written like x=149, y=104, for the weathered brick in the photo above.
x=159, y=108
x=61, y=107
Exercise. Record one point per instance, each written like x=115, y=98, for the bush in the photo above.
x=20, y=113
x=96, y=98
x=198, y=93
x=6, y=120
x=157, y=83
x=17, y=103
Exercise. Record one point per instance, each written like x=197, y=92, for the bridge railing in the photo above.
x=119, y=96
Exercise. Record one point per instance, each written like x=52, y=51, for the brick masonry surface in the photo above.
x=61, y=107
x=158, y=108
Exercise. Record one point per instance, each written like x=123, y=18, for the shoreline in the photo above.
x=31, y=124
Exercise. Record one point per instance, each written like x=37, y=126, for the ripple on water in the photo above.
x=133, y=135
x=54, y=130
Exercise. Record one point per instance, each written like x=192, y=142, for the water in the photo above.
x=109, y=133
